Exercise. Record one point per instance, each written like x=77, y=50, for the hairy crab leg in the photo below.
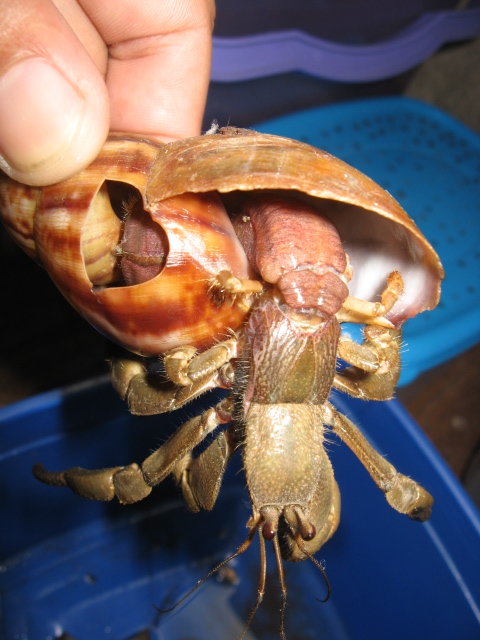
x=376, y=364
x=239, y=290
x=132, y=483
x=402, y=493
x=363, y=311
x=200, y=477
x=184, y=366
x=192, y=373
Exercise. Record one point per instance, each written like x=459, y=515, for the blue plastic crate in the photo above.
x=97, y=571
x=431, y=164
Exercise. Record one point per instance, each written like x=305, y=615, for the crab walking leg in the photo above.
x=363, y=311
x=358, y=355
x=239, y=290
x=376, y=364
x=227, y=282
x=130, y=379
x=184, y=366
x=193, y=373
x=402, y=493
x=132, y=483
x=200, y=477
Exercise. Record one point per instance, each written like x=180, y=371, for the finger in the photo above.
x=53, y=100
x=159, y=64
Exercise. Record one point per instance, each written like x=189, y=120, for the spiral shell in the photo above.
x=74, y=229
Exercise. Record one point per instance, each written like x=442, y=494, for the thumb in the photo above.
x=53, y=99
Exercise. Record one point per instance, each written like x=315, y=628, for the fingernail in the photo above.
x=39, y=113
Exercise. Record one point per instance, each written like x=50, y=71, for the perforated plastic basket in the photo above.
x=431, y=164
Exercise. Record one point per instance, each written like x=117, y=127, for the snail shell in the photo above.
x=74, y=229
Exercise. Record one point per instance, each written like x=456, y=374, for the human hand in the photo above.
x=71, y=70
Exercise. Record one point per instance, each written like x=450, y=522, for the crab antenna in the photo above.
x=283, y=587
x=260, y=589
x=241, y=549
x=319, y=566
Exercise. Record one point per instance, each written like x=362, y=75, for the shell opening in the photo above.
x=375, y=245
x=121, y=244
x=124, y=245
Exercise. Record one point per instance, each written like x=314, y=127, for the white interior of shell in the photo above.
x=377, y=246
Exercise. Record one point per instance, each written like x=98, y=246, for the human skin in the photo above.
x=71, y=71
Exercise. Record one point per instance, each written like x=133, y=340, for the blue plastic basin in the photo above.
x=96, y=570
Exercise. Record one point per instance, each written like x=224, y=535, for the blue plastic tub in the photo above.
x=431, y=164
x=97, y=571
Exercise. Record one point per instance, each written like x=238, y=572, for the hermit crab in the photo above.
x=230, y=260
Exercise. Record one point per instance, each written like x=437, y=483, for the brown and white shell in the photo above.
x=74, y=230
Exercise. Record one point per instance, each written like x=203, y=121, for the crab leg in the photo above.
x=200, y=477
x=363, y=311
x=376, y=364
x=192, y=373
x=133, y=482
x=402, y=493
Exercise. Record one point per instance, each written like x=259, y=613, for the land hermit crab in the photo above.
x=232, y=259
